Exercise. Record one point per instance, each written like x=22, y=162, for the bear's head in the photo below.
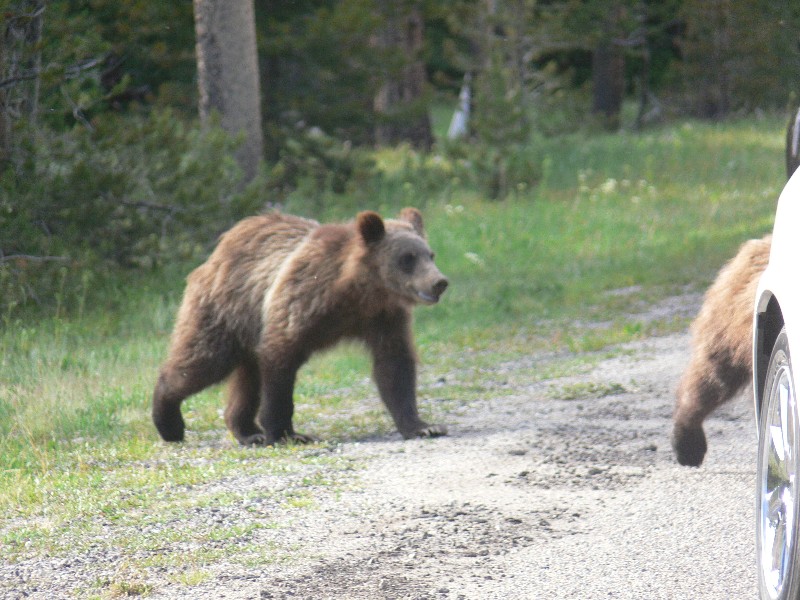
x=399, y=251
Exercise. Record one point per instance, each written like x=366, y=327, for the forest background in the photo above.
x=113, y=161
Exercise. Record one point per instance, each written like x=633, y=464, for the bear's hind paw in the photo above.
x=257, y=439
x=299, y=438
x=689, y=445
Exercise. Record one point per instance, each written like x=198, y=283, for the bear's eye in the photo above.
x=407, y=262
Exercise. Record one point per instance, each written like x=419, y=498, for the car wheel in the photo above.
x=778, y=505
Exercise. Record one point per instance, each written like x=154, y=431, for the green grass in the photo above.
x=655, y=214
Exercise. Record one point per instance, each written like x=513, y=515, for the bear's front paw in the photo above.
x=426, y=431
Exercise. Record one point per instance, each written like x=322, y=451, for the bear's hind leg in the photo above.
x=244, y=393
x=276, y=410
x=708, y=383
x=176, y=382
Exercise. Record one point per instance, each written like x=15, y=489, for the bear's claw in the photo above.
x=262, y=439
x=429, y=431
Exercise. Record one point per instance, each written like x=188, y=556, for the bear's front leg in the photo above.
x=395, y=374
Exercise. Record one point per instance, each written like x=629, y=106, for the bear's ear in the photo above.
x=413, y=216
x=370, y=226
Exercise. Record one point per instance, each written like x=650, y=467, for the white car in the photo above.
x=776, y=334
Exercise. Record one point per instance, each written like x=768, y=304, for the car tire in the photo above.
x=778, y=480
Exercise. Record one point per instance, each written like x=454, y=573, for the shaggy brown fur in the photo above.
x=721, y=362
x=278, y=288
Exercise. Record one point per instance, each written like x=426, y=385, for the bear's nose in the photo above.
x=439, y=287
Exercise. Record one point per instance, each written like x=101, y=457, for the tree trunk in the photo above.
x=227, y=73
x=400, y=102
x=33, y=40
x=720, y=68
x=608, y=82
x=5, y=117
x=20, y=69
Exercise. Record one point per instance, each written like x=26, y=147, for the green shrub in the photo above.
x=496, y=170
x=127, y=194
x=315, y=165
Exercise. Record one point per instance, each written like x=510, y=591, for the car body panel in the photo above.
x=778, y=294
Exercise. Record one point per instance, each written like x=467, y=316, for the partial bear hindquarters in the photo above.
x=721, y=362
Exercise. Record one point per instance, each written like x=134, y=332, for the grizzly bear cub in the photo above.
x=278, y=288
x=721, y=362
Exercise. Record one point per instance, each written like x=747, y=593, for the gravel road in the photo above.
x=528, y=497
x=534, y=498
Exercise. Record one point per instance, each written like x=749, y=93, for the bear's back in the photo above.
x=236, y=277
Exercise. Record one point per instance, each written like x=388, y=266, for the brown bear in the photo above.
x=721, y=362
x=278, y=288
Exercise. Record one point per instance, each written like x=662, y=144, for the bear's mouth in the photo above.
x=427, y=298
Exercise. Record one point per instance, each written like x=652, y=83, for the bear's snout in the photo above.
x=431, y=295
x=439, y=287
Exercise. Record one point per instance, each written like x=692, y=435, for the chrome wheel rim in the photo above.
x=778, y=485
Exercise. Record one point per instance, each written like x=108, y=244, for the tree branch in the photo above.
x=151, y=206
x=71, y=72
x=32, y=258
x=77, y=111
x=74, y=70
x=7, y=83
x=28, y=16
